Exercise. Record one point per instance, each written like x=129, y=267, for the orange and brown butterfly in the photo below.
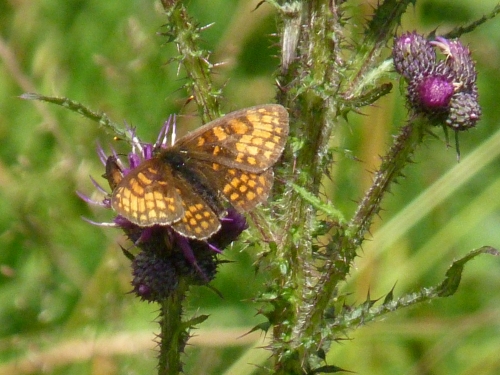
x=190, y=185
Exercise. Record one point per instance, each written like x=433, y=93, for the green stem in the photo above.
x=173, y=333
x=195, y=60
x=310, y=82
x=405, y=144
x=181, y=30
x=349, y=238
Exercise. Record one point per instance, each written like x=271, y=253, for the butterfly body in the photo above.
x=183, y=171
x=190, y=184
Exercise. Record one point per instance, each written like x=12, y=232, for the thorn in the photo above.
x=203, y=28
x=222, y=63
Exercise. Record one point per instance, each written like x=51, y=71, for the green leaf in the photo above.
x=454, y=274
x=328, y=209
x=264, y=326
x=195, y=321
x=101, y=118
x=329, y=369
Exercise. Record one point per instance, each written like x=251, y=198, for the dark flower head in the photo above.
x=413, y=55
x=156, y=276
x=165, y=256
x=464, y=111
x=441, y=89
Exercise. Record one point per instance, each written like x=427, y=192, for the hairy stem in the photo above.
x=181, y=29
x=173, y=335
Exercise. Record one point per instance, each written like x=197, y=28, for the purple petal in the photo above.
x=111, y=225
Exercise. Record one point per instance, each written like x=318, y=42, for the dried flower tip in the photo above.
x=458, y=58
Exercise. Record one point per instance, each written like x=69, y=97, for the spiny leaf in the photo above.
x=386, y=17
x=101, y=118
x=367, y=98
x=458, y=31
x=390, y=296
x=195, y=321
x=264, y=326
x=361, y=315
x=329, y=369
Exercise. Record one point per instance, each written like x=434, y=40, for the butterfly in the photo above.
x=190, y=185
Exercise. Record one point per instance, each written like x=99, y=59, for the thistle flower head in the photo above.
x=442, y=89
x=165, y=255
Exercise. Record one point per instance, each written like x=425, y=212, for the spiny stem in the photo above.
x=173, y=335
x=350, y=237
x=405, y=143
x=195, y=60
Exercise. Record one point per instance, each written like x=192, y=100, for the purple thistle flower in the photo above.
x=441, y=89
x=165, y=256
x=432, y=93
x=457, y=57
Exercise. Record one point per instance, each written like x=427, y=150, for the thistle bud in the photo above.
x=440, y=89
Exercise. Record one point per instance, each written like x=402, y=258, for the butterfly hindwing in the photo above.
x=147, y=196
x=243, y=190
x=199, y=219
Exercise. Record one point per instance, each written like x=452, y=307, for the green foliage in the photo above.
x=64, y=283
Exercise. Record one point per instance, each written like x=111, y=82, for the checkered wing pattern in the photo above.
x=199, y=220
x=183, y=185
x=251, y=139
x=243, y=190
x=147, y=195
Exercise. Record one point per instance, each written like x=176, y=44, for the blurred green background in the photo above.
x=65, y=307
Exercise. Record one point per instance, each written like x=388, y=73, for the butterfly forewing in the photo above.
x=147, y=196
x=251, y=139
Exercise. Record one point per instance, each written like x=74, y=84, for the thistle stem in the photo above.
x=173, y=335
